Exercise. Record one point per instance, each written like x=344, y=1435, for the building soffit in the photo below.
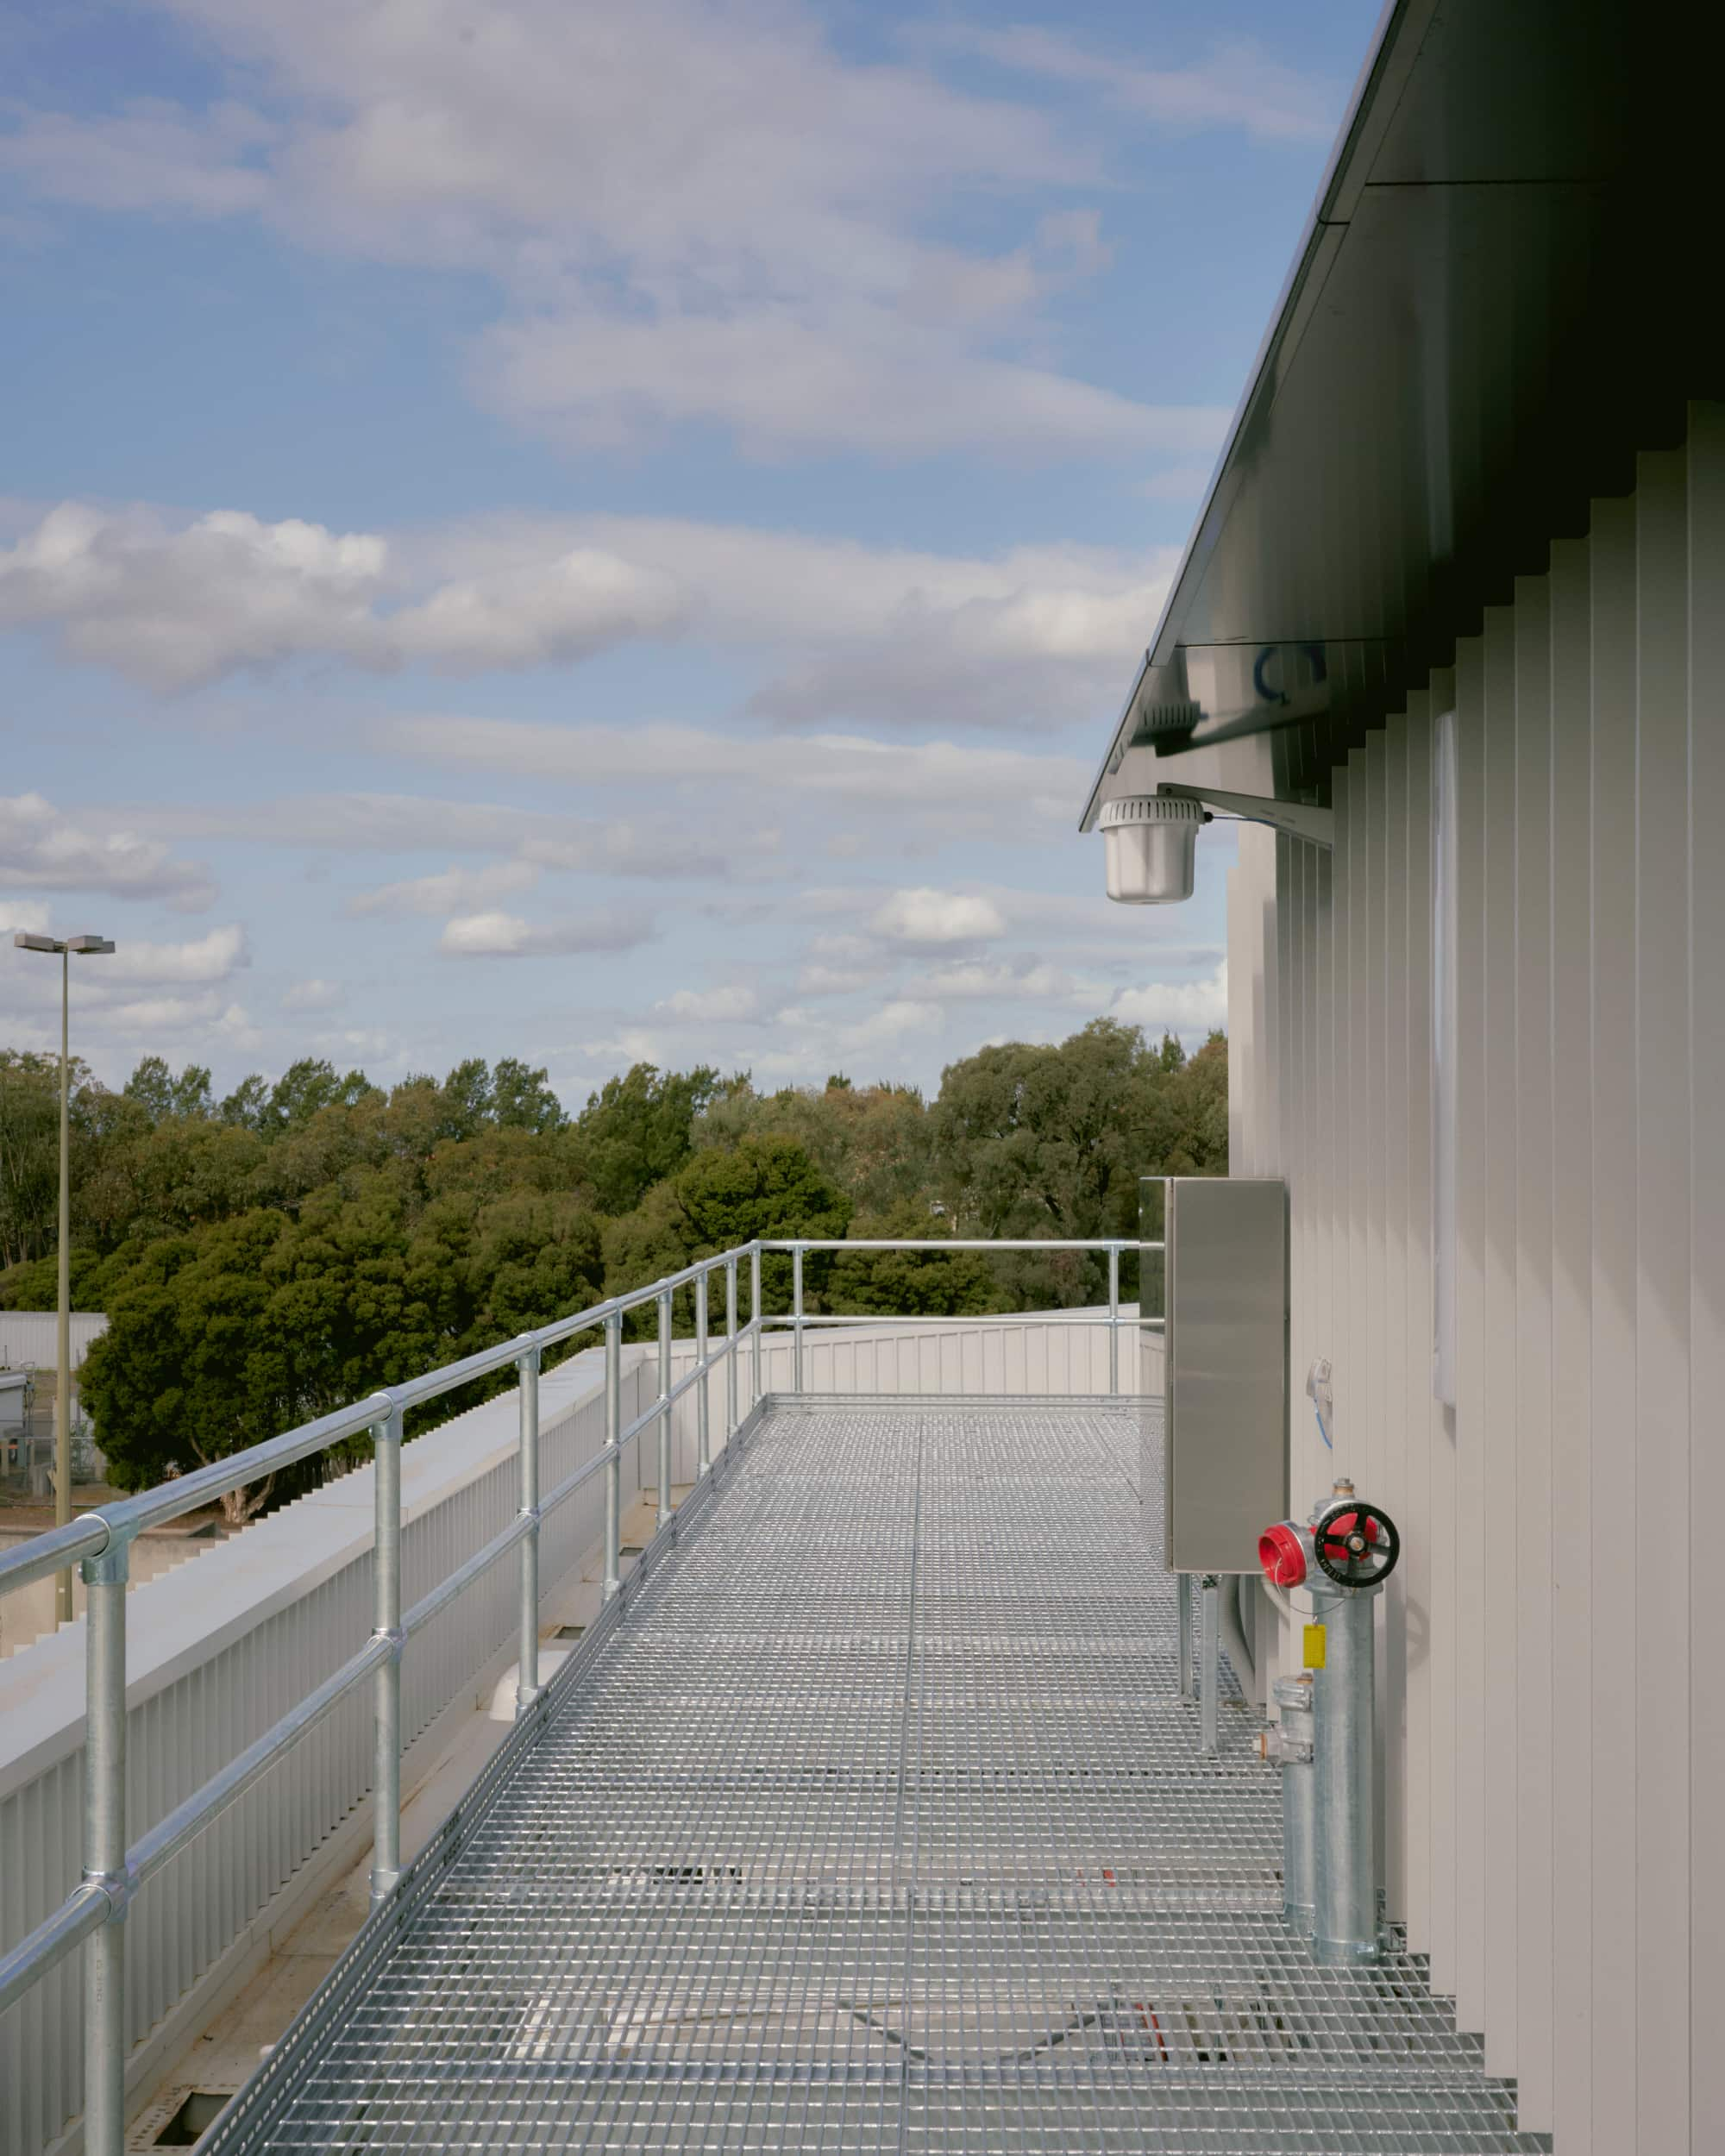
x=1491, y=312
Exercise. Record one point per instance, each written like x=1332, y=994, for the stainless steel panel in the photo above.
x=1225, y=1288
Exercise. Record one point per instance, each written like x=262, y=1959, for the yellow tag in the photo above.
x=1315, y=1646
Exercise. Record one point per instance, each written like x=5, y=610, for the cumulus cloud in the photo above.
x=175, y=606
x=924, y=915
x=1176, y=1007
x=498, y=935
x=1031, y=635
x=40, y=850
x=206, y=958
x=695, y=213
x=311, y=995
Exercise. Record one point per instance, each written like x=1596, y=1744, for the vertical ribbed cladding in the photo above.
x=1551, y=1856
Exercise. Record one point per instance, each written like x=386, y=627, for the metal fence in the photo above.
x=116, y=1872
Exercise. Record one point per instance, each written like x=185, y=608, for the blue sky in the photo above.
x=592, y=531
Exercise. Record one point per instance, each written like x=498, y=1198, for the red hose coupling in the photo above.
x=1282, y=1552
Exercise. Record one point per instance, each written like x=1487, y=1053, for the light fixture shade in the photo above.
x=1151, y=847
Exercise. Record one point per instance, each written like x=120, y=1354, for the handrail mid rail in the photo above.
x=100, y=1542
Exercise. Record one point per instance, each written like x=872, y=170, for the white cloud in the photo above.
x=441, y=894
x=151, y=154
x=42, y=851
x=970, y=792
x=1237, y=85
x=1176, y=1007
x=704, y=1005
x=496, y=934
x=1028, y=635
x=924, y=915
x=313, y=995
x=23, y=916
x=172, y=607
x=696, y=212
x=1030, y=981
x=208, y=958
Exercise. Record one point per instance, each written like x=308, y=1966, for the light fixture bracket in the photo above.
x=1299, y=819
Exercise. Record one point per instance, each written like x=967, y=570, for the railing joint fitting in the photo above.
x=396, y=1637
x=111, y=1565
x=533, y=1513
x=118, y=1887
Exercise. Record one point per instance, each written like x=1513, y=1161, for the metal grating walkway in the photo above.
x=879, y=1824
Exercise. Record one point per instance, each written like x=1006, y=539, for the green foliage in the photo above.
x=271, y=1257
x=160, y=1094
x=635, y=1131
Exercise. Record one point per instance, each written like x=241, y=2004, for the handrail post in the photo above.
x=613, y=1446
x=730, y=1348
x=755, y=1310
x=703, y=1433
x=104, y=1850
x=664, y=1405
x=796, y=1319
x=527, y=1677
x=387, y=1624
x=1114, y=1318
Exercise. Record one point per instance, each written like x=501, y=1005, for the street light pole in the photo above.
x=63, y=1328
x=85, y=946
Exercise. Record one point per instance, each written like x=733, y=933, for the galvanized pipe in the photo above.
x=386, y=1625
x=188, y=1820
x=730, y=1348
x=664, y=1406
x=1344, y=1875
x=703, y=1433
x=1209, y=1664
x=527, y=1677
x=1293, y=1696
x=1184, y=1602
x=613, y=1454
x=104, y=1850
x=754, y=1312
x=797, y=1318
x=1114, y=1318
x=52, y=1941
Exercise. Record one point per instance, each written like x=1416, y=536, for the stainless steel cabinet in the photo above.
x=1220, y=1288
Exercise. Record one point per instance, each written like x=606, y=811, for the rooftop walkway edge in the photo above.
x=870, y=1818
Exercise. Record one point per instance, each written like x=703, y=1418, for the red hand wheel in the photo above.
x=1356, y=1545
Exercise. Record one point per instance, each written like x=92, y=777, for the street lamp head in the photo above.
x=84, y=946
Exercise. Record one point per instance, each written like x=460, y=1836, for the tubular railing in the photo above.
x=100, y=1543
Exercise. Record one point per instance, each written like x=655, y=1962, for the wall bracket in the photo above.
x=1299, y=819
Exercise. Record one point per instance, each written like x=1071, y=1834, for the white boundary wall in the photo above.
x=220, y=1649
x=29, y=1339
x=1554, y=1797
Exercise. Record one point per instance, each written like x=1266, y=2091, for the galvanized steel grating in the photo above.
x=878, y=1825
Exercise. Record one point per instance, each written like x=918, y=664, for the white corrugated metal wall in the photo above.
x=1555, y=1773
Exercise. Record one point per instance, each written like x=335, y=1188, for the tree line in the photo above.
x=269, y=1255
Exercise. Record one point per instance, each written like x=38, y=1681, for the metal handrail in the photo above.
x=100, y=1542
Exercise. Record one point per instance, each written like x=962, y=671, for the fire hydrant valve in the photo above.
x=1355, y=1544
x=1282, y=1552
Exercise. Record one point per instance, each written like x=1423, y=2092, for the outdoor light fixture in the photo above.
x=63, y=947
x=1151, y=848
x=1150, y=840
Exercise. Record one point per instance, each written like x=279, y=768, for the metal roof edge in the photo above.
x=1389, y=60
